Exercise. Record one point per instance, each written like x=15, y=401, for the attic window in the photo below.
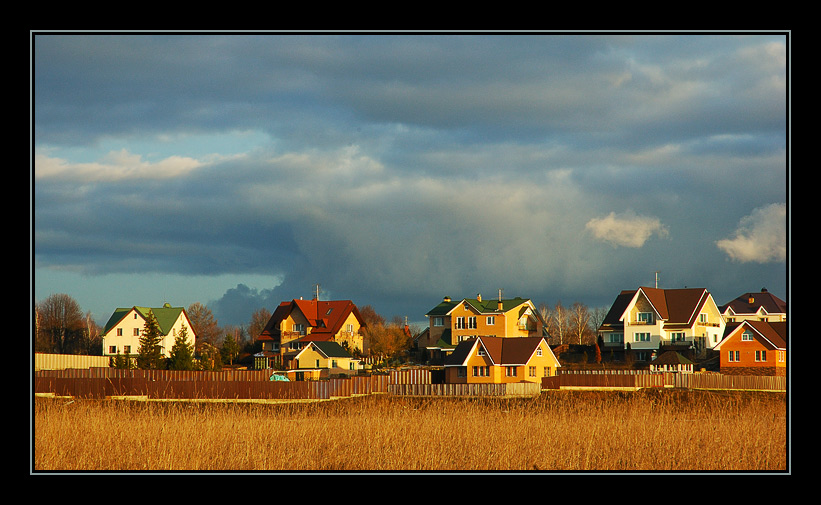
x=746, y=336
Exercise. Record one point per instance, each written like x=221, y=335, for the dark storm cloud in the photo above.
x=394, y=170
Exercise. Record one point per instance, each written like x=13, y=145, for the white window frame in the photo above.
x=638, y=336
x=490, y=321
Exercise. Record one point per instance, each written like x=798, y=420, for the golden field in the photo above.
x=648, y=430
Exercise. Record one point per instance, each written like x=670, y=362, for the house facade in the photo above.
x=752, y=347
x=121, y=334
x=297, y=323
x=500, y=360
x=452, y=322
x=323, y=356
x=760, y=306
x=647, y=320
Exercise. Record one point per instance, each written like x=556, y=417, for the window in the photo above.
x=461, y=371
x=539, y=351
x=136, y=332
x=531, y=371
x=644, y=318
x=616, y=338
x=350, y=328
x=299, y=328
x=547, y=371
x=481, y=371
x=119, y=332
x=438, y=321
x=761, y=355
x=734, y=356
x=510, y=371
x=746, y=336
x=641, y=337
x=127, y=349
x=481, y=352
x=472, y=322
x=702, y=318
x=460, y=323
x=112, y=349
x=677, y=336
x=491, y=320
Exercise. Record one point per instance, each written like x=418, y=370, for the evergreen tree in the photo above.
x=150, y=352
x=230, y=349
x=182, y=353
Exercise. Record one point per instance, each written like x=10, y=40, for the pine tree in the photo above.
x=182, y=353
x=150, y=352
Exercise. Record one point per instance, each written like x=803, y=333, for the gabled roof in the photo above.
x=502, y=351
x=327, y=349
x=765, y=300
x=671, y=358
x=166, y=316
x=323, y=316
x=674, y=306
x=771, y=334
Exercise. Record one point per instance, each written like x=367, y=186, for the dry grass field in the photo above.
x=667, y=430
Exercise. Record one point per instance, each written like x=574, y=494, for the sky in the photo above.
x=241, y=170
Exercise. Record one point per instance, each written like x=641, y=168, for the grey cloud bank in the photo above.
x=396, y=169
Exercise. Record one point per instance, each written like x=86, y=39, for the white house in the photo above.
x=648, y=318
x=123, y=329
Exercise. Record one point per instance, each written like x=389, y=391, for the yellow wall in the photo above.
x=499, y=374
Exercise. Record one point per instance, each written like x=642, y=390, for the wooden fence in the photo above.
x=103, y=382
x=169, y=384
x=635, y=379
x=509, y=389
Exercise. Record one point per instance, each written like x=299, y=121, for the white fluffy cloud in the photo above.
x=626, y=230
x=760, y=237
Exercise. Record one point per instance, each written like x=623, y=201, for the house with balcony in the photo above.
x=644, y=322
x=454, y=321
x=495, y=360
x=752, y=347
x=760, y=306
x=122, y=331
x=297, y=323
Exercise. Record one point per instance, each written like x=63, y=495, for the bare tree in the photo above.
x=259, y=319
x=60, y=324
x=579, y=323
x=204, y=325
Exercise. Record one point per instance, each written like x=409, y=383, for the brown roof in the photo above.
x=769, y=333
x=763, y=299
x=675, y=306
x=501, y=350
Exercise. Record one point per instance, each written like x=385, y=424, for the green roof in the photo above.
x=488, y=306
x=166, y=316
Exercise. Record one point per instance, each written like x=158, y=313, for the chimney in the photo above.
x=499, y=304
x=446, y=299
x=479, y=297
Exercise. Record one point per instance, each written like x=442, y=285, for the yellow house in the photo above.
x=295, y=324
x=328, y=356
x=500, y=360
x=452, y=322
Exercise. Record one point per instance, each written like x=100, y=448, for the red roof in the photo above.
x=325, y=317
